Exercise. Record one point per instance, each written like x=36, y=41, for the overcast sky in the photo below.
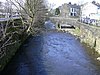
x=2, y=0
x=59, y=2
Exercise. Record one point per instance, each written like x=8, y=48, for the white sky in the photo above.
x=59, y=2
x=2, y=0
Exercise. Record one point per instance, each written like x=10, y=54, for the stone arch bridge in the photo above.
x=61, y=22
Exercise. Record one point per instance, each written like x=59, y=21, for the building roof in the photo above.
x=74, y=6
x=70, y=5
x=97, y=4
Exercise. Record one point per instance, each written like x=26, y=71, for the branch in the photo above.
x=23, y=8
x=9, y=44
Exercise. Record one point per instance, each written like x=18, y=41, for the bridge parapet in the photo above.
x=61, y=20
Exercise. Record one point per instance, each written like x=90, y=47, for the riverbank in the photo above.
x=12, y=35
x=87, y=41
x=53, y=52
x=10, y=52
x=88, y=34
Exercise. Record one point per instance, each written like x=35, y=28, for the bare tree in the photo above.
x=7, y=8
x=33, y=14
x=33, y=10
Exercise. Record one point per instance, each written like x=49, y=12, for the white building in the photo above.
x=90, y=12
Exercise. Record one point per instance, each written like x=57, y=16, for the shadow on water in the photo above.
x=28, y=59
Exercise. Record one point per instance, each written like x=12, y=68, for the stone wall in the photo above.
x=88, y=34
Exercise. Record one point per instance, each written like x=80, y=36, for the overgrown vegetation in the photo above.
x=12, y=35
x=34, y=11
x=14, y=32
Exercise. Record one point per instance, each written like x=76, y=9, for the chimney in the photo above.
x=94, y=2
x=75, y=4
x=70, y=3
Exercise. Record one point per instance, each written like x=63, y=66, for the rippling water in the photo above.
x=51, y=53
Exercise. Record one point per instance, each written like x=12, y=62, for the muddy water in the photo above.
x=52, y=53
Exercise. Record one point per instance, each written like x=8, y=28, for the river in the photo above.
x=51, y=53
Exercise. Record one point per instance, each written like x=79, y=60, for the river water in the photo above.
x=51, y=53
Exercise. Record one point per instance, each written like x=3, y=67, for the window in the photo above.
x=71, y=14
x=74, y=14
x=72, y=9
